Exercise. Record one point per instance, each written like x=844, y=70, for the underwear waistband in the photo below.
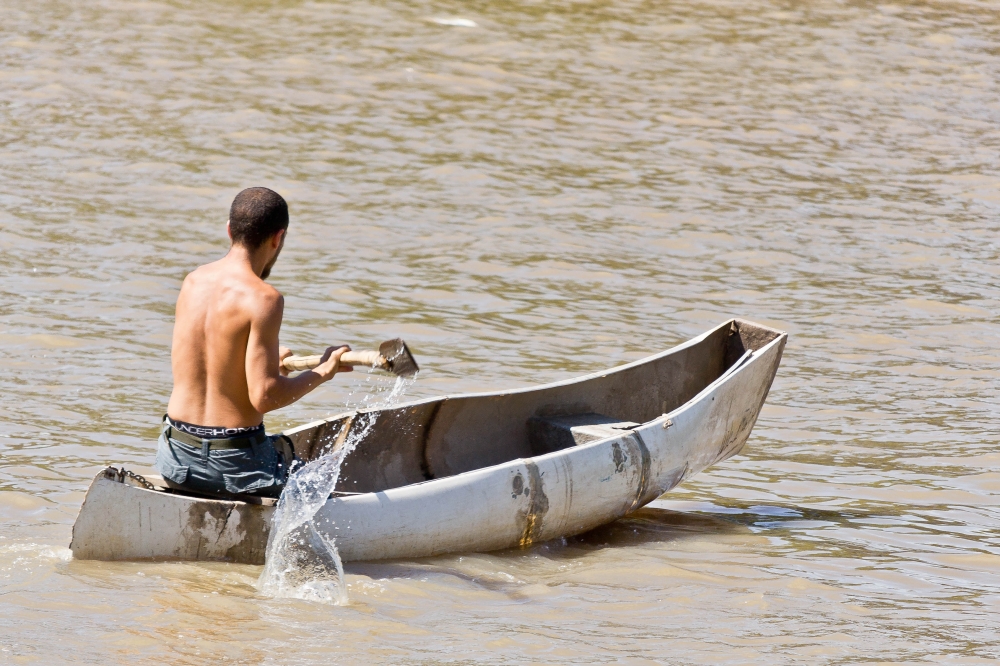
x=211, y=432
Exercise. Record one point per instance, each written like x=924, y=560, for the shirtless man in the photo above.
x=227, y=363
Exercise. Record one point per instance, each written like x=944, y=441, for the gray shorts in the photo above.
x=239, y=465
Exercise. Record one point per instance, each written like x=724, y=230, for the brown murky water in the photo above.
x=559, y=188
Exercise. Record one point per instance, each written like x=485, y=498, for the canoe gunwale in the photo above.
x=526, y=389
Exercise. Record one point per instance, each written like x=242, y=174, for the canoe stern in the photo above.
x=121, y=520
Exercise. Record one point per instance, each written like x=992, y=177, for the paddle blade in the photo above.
x=398, y=358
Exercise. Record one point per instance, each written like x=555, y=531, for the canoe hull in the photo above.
x=516, y=503
x=559, y=494
x=120, y=520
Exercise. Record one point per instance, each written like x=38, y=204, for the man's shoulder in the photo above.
x=268, y=294
x=205, y=272
x=261, y=297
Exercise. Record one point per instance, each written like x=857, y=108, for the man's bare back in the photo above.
x=225, y=356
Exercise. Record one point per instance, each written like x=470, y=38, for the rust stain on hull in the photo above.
x=538, y=506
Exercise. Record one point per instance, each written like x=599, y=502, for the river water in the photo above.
x=525, y=191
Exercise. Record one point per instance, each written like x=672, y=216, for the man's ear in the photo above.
x=229, y=231
x=277, y=238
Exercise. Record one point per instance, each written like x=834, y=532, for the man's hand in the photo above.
x=330, y=365
x=283, y=353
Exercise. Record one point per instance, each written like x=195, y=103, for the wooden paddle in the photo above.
x=392, y=356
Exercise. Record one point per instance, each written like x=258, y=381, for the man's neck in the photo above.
x=240, y=255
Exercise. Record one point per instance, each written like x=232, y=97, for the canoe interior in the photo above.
x=441, y=437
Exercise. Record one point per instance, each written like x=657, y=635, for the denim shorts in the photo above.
x=259, y=469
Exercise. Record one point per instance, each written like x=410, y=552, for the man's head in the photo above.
x=256, y=218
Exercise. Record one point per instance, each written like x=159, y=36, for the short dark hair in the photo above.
x=257, y=214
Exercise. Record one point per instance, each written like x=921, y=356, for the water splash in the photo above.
x=301, y=561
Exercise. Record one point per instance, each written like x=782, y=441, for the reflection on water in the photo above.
x=525, y=192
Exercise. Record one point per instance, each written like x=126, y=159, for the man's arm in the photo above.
x=268, y=388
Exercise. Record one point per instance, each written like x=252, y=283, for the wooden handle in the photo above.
x=352, y=358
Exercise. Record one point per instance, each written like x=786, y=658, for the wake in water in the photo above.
x=302, y=562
